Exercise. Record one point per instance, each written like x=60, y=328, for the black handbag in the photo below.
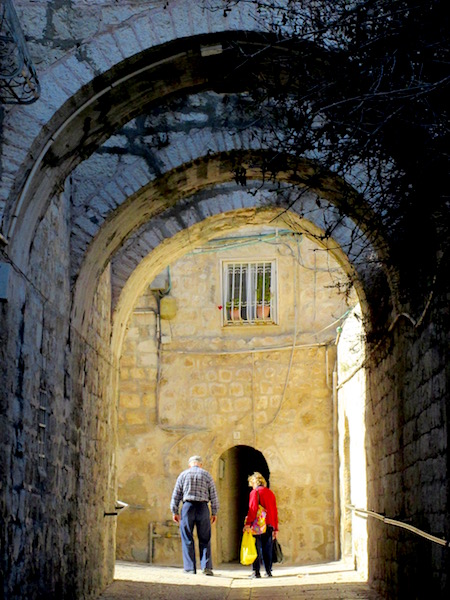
x=277, y=553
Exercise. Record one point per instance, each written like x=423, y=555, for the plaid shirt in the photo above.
x=197, y=485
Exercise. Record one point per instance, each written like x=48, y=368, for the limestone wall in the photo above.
x=407, y=425
x=351, y=396
x=38, y=461
x=94, y=411
x=221, y=387
x=57, y=431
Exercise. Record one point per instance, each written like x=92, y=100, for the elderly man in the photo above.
x=195, y=487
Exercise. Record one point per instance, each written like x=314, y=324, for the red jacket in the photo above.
x=266, y=499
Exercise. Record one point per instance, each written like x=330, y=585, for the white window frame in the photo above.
x=239, y=282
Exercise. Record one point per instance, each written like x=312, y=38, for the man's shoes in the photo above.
x=268, y=574
x=189, y=572
x=208, y=572
x=255, y=575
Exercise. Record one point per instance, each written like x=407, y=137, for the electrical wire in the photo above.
x=291, y=358
x=238, y=242
x=247, y=350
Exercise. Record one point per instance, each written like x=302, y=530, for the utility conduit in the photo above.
x=359, y=512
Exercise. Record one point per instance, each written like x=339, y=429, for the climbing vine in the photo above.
x=360, y=88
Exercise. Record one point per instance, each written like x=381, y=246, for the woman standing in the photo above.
x=261, y=494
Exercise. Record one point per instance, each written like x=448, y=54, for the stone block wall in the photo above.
x=219, y=387
x=57, y=430
x=38, y=452
x=407, y=422
x=95, y=414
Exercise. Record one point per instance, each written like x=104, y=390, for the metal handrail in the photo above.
x=420, y=532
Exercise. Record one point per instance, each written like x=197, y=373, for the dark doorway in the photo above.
x=234, y=469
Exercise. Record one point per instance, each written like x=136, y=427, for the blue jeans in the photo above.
x=195, y=514
x=264, y=545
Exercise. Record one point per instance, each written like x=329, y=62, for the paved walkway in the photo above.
x=330, y=581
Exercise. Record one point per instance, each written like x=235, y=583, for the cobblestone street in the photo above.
x=331, y=581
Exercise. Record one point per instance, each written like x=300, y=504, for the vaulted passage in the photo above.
x=185, y=267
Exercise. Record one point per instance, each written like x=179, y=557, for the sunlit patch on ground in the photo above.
x=328, y=581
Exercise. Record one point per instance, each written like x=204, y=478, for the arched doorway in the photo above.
x=235, y=465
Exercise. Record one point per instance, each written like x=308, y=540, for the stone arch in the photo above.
x=200, y=175
x=89, y=113
x=205, y=228
x=99, y=104
x=129, y=164
x=257, y=204
x=181, y=185
x=73, y=86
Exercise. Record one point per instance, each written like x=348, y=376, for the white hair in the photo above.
x=195, y=459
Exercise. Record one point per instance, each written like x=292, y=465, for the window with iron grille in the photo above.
x=249, y=292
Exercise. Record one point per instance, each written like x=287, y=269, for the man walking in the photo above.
x=195, y=487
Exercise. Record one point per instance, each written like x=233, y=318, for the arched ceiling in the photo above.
x=189, y=194
x=144, y=82
x=193, y=164
x=165, y=166
x=194, y=129
x=129, y=88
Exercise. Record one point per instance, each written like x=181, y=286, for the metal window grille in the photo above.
x=18, y=79
x=249, y=292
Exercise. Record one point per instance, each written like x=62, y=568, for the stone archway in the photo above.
x=71, y=131
x=188, y=384
x=235, y=465
x=65, y=368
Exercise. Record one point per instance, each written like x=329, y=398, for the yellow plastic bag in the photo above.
x=248, y=548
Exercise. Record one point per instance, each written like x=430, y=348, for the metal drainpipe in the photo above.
x=151, y=536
